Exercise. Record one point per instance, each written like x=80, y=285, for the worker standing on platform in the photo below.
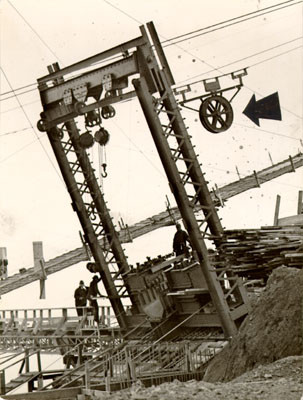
x=93, y=292
x=179, y=242
x=80, y=298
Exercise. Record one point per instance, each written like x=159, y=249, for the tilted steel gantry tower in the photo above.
x=64, y=98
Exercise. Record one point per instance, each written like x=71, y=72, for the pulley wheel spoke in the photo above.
x=216, y=114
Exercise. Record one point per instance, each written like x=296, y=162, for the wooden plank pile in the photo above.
x=254, y=253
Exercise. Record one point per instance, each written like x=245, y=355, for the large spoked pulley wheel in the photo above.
x=216, y=114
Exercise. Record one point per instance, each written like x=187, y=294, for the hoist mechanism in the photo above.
x=171, y=293
x=215, y=111
x=104, y=173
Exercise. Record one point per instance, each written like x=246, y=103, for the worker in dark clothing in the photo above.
x=179, y=243
x=80, y=298
x=93, y=292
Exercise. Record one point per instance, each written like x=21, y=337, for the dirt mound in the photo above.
x=272, y=331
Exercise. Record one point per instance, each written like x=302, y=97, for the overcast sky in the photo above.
x=34, y=204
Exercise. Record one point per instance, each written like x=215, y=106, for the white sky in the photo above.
x=34, y=204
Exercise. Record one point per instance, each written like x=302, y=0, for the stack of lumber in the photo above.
x=256, y=252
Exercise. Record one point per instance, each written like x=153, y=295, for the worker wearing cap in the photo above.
x=80, y=298
x=179, y=242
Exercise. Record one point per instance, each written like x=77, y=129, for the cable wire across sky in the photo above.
x=170, y=42
x=237, y=33
x=31, y=125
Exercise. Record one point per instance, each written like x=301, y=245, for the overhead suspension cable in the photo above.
x=260, y=62
x=202, y=31
x=17, y=94
x=186, y=51
x=20, y=88
x=253, y=127
x=174, y=38
x=246, y=58
x=18, y=130
x=195, y=76
x=140, y=151
x=18, y=151
x=31, y=125
x=259, y=14
x=16, y=108
x=229, y=20
x=194, y=82
x=266, y=131
x=35, y=32
x=277, y=55
x=123, y=12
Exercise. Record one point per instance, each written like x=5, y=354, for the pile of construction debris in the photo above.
x=264, y=361
x=281, y=380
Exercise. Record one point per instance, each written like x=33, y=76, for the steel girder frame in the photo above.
x=184, y=205
x=185, y=147
x=195, y=177
x=152, y=79
x=90, y=236
x=98, y=206
x=110, y=235
x=57, y=111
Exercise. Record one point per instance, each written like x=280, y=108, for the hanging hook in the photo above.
x=104, y=174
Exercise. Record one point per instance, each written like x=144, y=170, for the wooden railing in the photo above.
x=49, y=314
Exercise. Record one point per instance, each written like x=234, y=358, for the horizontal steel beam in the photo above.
x=92, y=79
x=120, y=49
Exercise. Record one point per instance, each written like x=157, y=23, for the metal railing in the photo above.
x=138, y=361
x=23, y=319
x=48, y=314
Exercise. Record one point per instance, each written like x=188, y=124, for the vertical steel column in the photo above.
x=194, y=171
x=103, y=212
x=79, y=206
x=186, y=148
x=184, y=205
x=109, y=230
x=183, y=153
x=197, y=180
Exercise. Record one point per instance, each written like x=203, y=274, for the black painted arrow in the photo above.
x=268, y=108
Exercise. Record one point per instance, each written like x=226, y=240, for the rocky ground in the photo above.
x=263, y=362
x=273, y=329
x=281, y=380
